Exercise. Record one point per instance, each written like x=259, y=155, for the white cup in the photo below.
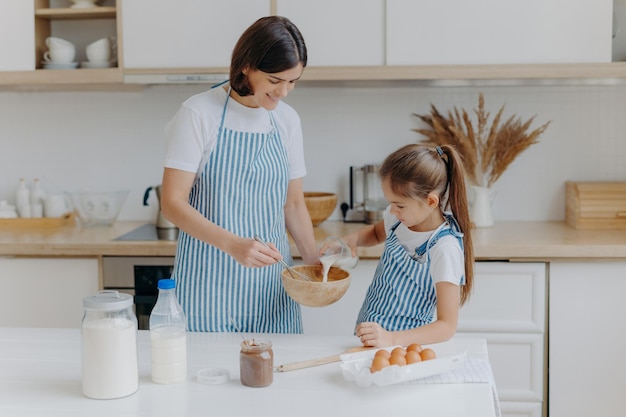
x=60, y=55
x=99, y=51
x=55, y=205
x=54, y=42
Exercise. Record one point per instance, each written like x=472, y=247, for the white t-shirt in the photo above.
x=193, y=130
x=446, y=257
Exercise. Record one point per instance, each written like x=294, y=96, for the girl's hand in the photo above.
x=253, y=254
x=373, y=335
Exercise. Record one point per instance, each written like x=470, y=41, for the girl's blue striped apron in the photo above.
x=242, y=188
x=402, y=294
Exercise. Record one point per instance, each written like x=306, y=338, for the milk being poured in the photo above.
x=327, y=262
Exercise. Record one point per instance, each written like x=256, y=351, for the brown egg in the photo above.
x=397, y=360
x=412, y=357
x=384, y=353
x=414, y=347
x=427, y=354
x=398, y=351
x=378, y=363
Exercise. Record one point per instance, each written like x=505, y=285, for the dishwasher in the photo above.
x=138, y=276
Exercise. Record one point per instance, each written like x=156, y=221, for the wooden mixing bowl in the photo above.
x=316, y=293
x=320, y=205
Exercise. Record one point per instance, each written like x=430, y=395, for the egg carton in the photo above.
x=355, y=367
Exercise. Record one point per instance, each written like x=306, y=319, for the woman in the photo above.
x=233, y=169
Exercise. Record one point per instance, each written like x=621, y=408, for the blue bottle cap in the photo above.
x=166, y=284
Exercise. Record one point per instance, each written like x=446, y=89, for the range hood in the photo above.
x=174, y=78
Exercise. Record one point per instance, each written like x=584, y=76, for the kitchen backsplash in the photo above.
x=109, y=140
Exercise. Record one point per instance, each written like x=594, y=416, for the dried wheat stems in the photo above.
x=486, y=150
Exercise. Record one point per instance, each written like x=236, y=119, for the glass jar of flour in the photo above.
x=109, y=346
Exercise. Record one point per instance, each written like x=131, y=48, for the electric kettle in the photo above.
x=166, y=230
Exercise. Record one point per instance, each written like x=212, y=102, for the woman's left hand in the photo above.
x=373, y=335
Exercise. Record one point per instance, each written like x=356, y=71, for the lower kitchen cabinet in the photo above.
x=587, y=339
x=45, y=292
x=508, y=309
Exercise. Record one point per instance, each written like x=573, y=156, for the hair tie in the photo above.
x=439, y=151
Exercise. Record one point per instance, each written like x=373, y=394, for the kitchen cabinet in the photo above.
x=508, y=309
x=587, y=338
x=162, y=35
x=16, y=19
x=45, y=292
x=452, y=32
x=49, y=18
x=352, y=33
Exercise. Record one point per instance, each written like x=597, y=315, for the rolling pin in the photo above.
x=317, y=362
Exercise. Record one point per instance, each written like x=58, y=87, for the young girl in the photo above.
x=427, y=263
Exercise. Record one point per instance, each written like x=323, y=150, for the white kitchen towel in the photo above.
x=473, y=371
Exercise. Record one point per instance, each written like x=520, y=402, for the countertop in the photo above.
x=41, y=371
x=523, y=241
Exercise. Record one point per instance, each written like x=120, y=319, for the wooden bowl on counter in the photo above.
x=316, y=293
x=320, y=205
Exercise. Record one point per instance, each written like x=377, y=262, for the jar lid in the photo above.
x=213, y=376
x=108, y=300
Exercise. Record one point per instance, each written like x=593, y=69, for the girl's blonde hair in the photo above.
x=415, y=171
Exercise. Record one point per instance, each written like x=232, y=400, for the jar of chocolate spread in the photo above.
x=256, y=362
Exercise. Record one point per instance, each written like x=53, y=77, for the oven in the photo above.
x=138, y=276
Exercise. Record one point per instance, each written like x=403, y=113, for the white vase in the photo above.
x=481, y=212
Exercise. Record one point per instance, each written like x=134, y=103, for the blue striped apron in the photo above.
x=242, y=187
x=402, y=294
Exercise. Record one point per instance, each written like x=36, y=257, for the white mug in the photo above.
x=99, y=51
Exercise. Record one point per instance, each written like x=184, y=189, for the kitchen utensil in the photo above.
x=320, y=205
x=98, y=207
x=317, y=362
x=166, y=230
x=373, y=202
x=294, y=274
x=316, y=293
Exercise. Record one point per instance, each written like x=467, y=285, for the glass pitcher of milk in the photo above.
x=334, y=252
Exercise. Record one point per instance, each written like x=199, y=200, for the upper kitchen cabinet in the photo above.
x=339, y=33
x=18, y=35
x=479, y=32
x=183, y=36
x=27, y=23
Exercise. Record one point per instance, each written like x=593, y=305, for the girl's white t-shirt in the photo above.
x=446, y=257
x=193, y=129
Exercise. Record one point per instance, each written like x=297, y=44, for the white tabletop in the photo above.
x=40, y=375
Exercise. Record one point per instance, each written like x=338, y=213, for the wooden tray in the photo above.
x=38, y=223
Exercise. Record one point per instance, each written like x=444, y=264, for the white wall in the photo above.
x=102, y=140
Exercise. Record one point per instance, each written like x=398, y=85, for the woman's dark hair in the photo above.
x=271, y=44
x=414, y=171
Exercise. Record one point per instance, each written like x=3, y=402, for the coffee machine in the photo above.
x=366, y=195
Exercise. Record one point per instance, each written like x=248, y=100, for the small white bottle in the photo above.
x=22, y=199
x=37, y=198
x=168, y=336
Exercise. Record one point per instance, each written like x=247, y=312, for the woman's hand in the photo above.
x=252, y=254
x=373, y=335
